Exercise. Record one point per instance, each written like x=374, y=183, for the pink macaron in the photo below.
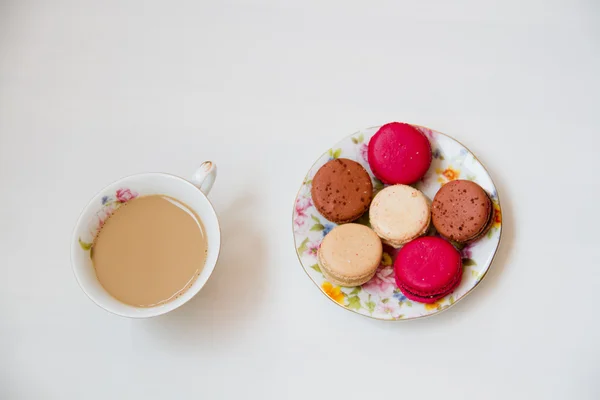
x=399, y=153
x=428, y=269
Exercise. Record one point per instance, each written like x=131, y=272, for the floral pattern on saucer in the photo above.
x=380, y=298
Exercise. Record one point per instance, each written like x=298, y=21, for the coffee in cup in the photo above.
x=147, y=243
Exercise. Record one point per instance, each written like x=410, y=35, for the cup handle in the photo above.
x=205, y=176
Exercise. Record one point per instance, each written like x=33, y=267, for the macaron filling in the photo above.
x=488, y=224
x=396, y=243
x=344, y=281
x=430, y=297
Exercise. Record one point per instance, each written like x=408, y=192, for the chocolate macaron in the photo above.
x=462, y=211
x=342, y=190
x=428, y=269
x=349, y=255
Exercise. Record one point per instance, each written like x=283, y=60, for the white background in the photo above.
x=93, y=91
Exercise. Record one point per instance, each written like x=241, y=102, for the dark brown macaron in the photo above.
x=462, y=211
x=342, y=190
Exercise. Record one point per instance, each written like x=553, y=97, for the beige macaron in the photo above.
x=399, y=214
x=350, y=254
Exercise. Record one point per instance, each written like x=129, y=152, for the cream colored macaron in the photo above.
x=399, y=214
x=350, y=254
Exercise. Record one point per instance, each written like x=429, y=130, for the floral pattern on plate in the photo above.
x=380, y=298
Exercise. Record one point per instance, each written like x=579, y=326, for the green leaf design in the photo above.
x=308, y=181
x=490, y=233
x=475, y=274
x=337, y=153
x=400, y=316
x=355, y=291
x=364, y=220
x=459, y=246
x=384, y=301
x=471, y=177
x=408, y=303
x=377, y=185
x=358, y=139
x=330, y=152
x=317, y=227
x=316, y=219
x=386, y=259
x=303, y=246
x=370, y=305
x=316, y=268
x=84, y=245
x=451, y=300
x=354, y=303
x=468, y=262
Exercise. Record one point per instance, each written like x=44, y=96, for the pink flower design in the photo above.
x=101, y=216
x=466, y=251
x=124, y=195
x=382, y=284
x=387, y=308
x=364, y=152
x=313, y=248
x=298, y=221
x=302, y=204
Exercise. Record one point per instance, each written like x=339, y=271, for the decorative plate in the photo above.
x=380, y=298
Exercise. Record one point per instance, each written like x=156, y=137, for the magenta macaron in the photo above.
x=428, y=269
x=399, y=153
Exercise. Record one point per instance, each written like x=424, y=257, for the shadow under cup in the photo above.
x=106, y=202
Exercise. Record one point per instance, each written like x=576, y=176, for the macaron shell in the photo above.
x=486, y=228
x=461, y=211
x=350, y=254
x=342, y=190
x=429, y=299
x=396, y=244
x=428, y=267
x=347, y=282
x=440, y=292
x=399, y=214
x=399, y=153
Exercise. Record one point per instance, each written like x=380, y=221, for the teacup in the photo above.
x=191, y=193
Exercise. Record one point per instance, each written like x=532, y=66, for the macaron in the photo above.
x=462, y=211
x=427, y=269
x=399, y=214
x=399, y=153
x=349, y=255
x=342, y=190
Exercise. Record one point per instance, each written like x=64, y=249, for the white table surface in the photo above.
x=93, y=92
